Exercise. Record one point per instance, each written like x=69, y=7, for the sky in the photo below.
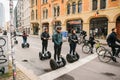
x=6, y=6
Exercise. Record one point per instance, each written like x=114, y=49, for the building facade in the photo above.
x=35, y=16
x=26, y=15
x=2, y=16
x=96, y=17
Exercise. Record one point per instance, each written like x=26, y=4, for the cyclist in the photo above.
x=24, y=37
x=73, y=40
x=111, y=41
x=83, y=33
x=92, y=42
x=44, y=37
x=57, y=40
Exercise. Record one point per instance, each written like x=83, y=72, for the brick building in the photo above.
x=94, y=16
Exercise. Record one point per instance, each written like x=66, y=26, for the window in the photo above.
x=32, y=3
x=73, y=7
x=44, y=1
x=54, y=11
x=43, y=14
x=62, y=1
x=36, y=14
x=46, y=13
x=36, y=2
x=102, y=4
x=32, y=15
x=79, y=6
x=94, y=5
x=58, y=11
x=68, y=9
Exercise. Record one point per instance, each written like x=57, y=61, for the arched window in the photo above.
x=68, y=9
x=55, y=11
x=46, y=13
x=58, y=10
x=73, y=7
x=79, y=6
x=43, y=14
x=32, y=15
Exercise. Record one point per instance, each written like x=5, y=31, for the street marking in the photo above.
x=70, y=67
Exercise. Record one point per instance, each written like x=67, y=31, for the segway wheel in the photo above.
x=40, y=56
x=53, y=64
x=69, y=58
x=16, y=42
x=28, y=45
x=23, y=45
x=78, y=57
x=64, y=62
x=49, y=54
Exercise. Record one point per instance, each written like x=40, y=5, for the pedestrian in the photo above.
x=24, y=37
x=73, y=40
x=45, y=37
x=111, y=41
x=57, y=40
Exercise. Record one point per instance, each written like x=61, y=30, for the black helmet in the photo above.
x=58, y=27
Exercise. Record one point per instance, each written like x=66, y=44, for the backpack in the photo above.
x=109, y=40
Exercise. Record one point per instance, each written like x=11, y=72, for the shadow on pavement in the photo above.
x=65, y=77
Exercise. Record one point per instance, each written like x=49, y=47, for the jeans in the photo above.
x=73, y=48
x=44, y=46
x=24, y=40
x=114, y=51
x=57, y=51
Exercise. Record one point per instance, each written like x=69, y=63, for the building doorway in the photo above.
x=118, y=26
x=74, y=24
x=99, y=27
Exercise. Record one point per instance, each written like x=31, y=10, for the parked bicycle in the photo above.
x=86, y=48
x=2, y=42
x=107, y=55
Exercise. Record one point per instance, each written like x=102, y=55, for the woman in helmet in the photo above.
x=44, y=37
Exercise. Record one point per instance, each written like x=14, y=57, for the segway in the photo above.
x=25, y=45
x=44, y=56
x=57, y=64
x=72, y=57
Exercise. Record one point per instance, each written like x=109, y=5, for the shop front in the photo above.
x=74, y=24
x=99, y=27
x=35, y=28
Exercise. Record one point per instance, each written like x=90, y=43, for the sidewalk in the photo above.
x=20, y=76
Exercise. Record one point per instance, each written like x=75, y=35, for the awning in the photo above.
x=74, y=22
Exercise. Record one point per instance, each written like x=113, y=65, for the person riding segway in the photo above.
x=58, y=60
x=25, y=44
x=73, y=40
x=45, y=37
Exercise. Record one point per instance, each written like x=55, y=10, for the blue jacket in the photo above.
x=57, y=38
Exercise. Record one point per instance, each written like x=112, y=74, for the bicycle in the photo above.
x=2, y=42
x=106, y=55
x=82, y=37
x=86, y=48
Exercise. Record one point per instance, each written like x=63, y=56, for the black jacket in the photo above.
x=73, y=39
x=112, y=38
x=45, y=35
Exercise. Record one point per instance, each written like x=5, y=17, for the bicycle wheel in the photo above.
x=2, y=42
x=100, y=48
x=105, y=56
x=86, y=49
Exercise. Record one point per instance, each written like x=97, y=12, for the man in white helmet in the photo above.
x=57, y=40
